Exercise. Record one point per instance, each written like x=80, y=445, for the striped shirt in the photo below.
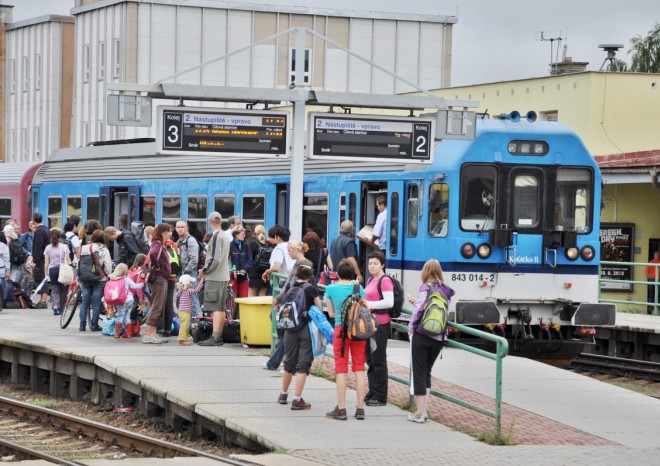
x=185, y=297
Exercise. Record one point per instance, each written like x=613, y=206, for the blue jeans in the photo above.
x=91, y=292
x=276, y=359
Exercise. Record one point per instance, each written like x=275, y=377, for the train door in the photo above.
x=526, y=194
x=410, y=232
x=282, y=205
x=395, y=227
x=369, y=191
x=117, y=200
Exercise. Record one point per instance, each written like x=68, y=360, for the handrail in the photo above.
x=502, y=349
x=656, y=296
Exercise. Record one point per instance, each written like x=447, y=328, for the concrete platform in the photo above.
x=556, y=417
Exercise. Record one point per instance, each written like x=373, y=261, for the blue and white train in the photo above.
x=513, y=216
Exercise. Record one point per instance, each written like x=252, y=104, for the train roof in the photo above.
x=12, y=173
x=139, y=160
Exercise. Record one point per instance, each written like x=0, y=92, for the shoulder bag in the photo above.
x=65, y=275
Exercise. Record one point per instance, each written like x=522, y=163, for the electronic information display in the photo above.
x=232, y=132
x=362, y=137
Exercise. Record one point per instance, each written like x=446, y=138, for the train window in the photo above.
x=197, y=207
x=526, y=201
x=393, y=240
x=254, y=209
x=132, y=208
x=103, y=207
x=225, y=205
x=412, y=220
x=92, y=207
x=73, y=206
x=352, y=211
x=54, y=212
x=342, y=207
x=315, y=214
x=171, y=209
x=148, y=210
x=573, y=200
x=439, y=209
x=478, y=197
x=5, y=210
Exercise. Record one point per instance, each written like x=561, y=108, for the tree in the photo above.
x=618, y=65
x=646, y=51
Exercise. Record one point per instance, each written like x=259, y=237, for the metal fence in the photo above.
x=653, y=301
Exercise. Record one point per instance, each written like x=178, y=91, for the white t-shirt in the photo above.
x=75, y=242
x=281, y=254
x=379, y=229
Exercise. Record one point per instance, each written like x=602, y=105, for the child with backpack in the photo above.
x=428, y=332
x=185, y=293
x=141, y=295
x=336, y=295
x=298, y=354
x=117, y=293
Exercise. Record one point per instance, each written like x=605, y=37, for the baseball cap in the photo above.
x=215, y=217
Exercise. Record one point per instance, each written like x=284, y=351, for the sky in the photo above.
x=494, y=40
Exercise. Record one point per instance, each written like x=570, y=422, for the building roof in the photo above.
x=39, y=20
x=300, y=10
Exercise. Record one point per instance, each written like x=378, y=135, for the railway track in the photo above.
x=617, y=366
x=34, y=432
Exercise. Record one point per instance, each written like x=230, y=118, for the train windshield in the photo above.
x=573, y=200
x=478, y=197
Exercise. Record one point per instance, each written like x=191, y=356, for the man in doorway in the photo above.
x=233, y=222
x=216, y=276
x=344, y=247
x=189, y=253
x=652, y=272
x=380, y=233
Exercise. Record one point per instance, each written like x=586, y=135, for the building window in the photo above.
x=13, y=77
x=12, y=145
x=5, y=210
x=100, y=132
x=26, y=74
x=197, y=206
x=171, y=209
x=101, y=61
x=24, y=144
x=254, y=209
x=37, y=142
x=37, y=72
x=307, y=68
x=54, y=212
x=87, y=58
x=85, y=135
x=551, y=115
x=116, y=58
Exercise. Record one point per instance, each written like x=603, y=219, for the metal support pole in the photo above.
x=298, y=156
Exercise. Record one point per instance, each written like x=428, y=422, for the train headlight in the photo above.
x=468, y=250
x=588, y=253
x=484, y=250
x=572, y=253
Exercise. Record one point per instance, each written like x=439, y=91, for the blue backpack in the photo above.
x=292, y=315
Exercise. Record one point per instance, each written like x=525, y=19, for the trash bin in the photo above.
x=255, y=319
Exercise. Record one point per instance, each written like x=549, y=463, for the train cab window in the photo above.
x=439, y=209
x=315, y=215
x=254, y=209
x=526, y=200
x=393, y=240
x=92, y=207
x=148, y=210
x=225, y=205
x=478, y=206
x=73, y=206
x=412, y=220
x=5, y=210
x=54, y=212
x=171, y=209
x=573, y=200
x=197, y=207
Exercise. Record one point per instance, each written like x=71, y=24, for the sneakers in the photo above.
x=56, y=311
x=154, y=339
x=339, y=414
x=359, y=414
x=211, y=342
x=41, y=305
x=282, y=399
x=299, y=404
x=98, y=329
x=375, y=403
x=185, y=343
x=419, y=418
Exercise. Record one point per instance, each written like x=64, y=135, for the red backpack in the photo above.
x=115, y=291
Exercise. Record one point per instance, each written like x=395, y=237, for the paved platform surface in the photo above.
x=551, y=415
x=636, y=322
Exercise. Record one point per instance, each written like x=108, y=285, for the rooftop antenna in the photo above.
x=611, y=50
x=553, y=59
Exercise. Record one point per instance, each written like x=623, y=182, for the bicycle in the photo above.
x=73, y=298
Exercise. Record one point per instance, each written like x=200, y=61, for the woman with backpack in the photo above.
x=298, y=342
x=56, y=254
x=425, y=345
x=261, y=249
x=335, y=296
x=93, y=269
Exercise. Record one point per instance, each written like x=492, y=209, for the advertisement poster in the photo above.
x=616, y=245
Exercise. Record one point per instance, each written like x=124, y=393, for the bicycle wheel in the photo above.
x=231, y=303
x=70, y=307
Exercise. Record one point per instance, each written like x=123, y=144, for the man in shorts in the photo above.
x=216, y=277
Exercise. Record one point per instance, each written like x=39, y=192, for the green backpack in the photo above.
x=434, y=318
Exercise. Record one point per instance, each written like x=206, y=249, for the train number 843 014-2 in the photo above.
x=473, y=277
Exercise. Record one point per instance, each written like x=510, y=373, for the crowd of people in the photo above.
x=189, y=271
